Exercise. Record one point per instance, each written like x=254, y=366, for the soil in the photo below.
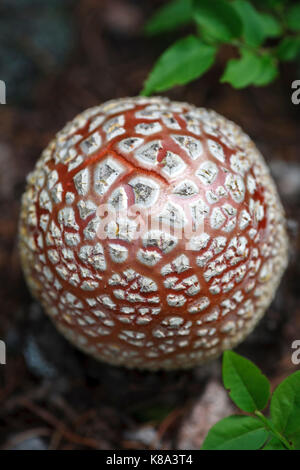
x=52, y=396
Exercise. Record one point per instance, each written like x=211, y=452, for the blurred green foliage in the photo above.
x=263, y=33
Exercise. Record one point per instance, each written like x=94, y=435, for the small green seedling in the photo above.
x=264, y=33
x=249, y=389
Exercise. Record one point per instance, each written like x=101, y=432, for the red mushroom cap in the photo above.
x=152, y=233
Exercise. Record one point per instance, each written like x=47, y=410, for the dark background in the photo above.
x=58, y=58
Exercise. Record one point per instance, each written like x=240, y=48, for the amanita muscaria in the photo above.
x=171, y=296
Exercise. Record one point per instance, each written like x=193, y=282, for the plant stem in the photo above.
x=256, y=50
x=269, y=426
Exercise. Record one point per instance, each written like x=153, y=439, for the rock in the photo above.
x=287, y=177
x=145, y=435
x=33, y=443
x=212, y=406
x=122, y=18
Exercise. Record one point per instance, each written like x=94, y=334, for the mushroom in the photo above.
x=152, y=233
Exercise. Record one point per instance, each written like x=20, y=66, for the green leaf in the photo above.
x=243, y=71
x=274, y=4
x=250, y=69
x=268, y=73
x=293, y=17
x=288, y=48
x=248, y=387
x=236, y=433
x=170, y=16
x=185, y=60
x=271, y=26
x=253, y=32
x=256, y=26
x=218, y=18
x=274, y=444
x=285, y=408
